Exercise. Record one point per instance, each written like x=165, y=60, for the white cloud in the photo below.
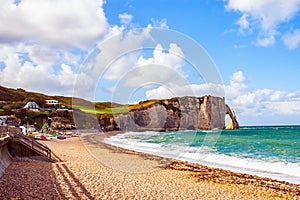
x=112, y=32
x=269, y=13
x=292, y=40
x=163, y=67
x=41, y=55
x=264, y=15
x=118, y=53
x=70, y=58
x=66, y=78
x=180, y=90
x=44, y=42
x=284, y=107
x=249, y=102
x=121, y=66
x=125, y=18
x=153, y=74
x=262, y=106
x=56, y=23
x=174, y=58
x=237, y=77
x=237, y=85
x=265, y=41
x=243, y=22
x=159, y=23
x=38, y=78
x=162, y=92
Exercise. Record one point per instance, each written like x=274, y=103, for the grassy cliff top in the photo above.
x=17, y=98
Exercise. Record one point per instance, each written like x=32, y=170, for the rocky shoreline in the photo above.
x=87, y=168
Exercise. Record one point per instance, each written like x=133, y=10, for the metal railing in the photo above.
x=30, y=143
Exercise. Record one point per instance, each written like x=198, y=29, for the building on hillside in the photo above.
x=31, y=105
x=52, y=102
x=13, y=121
x=3, y=120
x=23, y=129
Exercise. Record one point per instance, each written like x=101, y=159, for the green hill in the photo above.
x=12, y=102
x=19, y=95
x=17, y=98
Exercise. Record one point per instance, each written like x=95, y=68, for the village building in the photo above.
x=52, y=102
x=31, y=105
x=13, y=121
x=3, y=120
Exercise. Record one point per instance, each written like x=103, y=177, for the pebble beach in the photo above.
x=87, y=168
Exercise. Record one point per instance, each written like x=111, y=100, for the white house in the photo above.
x=31, y=105
x=3, y=120
x=52, y=102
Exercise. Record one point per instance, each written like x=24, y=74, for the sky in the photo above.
x=127, y=51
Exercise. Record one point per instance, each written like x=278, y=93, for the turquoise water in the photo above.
x=265, y=143
x=267, y=151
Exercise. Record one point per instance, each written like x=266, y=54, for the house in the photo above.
x=13, y=121
x=52, y=102
x=3, y=120
x=31, y=105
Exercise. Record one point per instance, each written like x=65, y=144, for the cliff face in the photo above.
x=185, y=113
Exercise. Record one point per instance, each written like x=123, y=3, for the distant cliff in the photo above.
x=182, y=113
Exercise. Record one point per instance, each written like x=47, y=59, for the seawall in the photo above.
x=5, y=157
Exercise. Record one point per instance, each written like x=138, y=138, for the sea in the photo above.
x=266, y=151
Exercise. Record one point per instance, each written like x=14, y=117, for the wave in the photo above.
x=208, y=156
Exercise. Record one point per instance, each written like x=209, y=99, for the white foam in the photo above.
x=283, y=171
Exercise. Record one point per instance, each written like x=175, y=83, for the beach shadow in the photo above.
x=30, y=179
x=75, y=186
x=35, y=179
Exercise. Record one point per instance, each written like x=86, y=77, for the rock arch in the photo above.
x=232, y=122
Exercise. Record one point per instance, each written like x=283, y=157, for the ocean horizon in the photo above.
x=266, y=151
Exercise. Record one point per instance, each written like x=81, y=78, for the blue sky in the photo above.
x=255, y=45
x=215, y=28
